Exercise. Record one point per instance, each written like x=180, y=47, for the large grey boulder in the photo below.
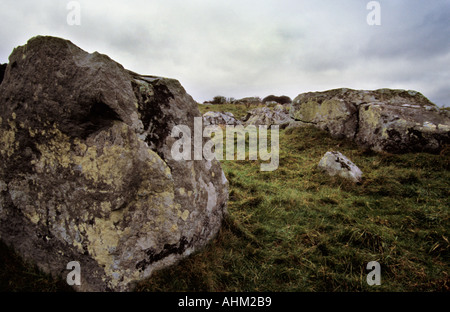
x=395, y=121
x=331, y=110
x=86, y=172
x=252, y=100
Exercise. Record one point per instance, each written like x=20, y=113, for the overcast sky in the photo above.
x=240, y=48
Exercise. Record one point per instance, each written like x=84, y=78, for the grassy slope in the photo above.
x=296, y=229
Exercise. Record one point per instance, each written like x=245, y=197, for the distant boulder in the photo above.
x=219, y=118
x=249, y=101
x=395, y=121
x=334, y=163
x=278, y=115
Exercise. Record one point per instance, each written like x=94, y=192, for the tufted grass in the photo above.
x=296, y=229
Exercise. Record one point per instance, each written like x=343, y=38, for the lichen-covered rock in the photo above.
x=402, y=127
x=86, y=172
x=334, y=111
x=334, y=163
x=395, y=121
x=219, y=118
x=278, y=115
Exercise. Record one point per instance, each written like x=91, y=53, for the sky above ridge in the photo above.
x=241, y=48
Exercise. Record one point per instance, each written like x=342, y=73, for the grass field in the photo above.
x=297, y=229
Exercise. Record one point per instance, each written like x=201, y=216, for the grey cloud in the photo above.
x=248, y=48
x=409, y=34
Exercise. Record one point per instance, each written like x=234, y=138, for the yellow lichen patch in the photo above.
x=103, y=238
x=110, y=158
x=7, y=142
x=331, y=109
x=31, y=214
x=56, y=152
x=185, y=215
x=80, y=147
x=108, y=168
x=105, y=206
x=371, y=115
x=167, y=171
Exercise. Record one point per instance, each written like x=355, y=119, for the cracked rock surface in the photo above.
x=396, y=121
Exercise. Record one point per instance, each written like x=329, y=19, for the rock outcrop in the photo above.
x=395, y=121
x=219, y=118
x=86, y=172
x=334, y=163
x=278, y=115
x=252, y=100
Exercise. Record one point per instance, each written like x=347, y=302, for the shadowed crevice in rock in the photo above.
x=153, y=99
x=100, y=116
x=169, y=249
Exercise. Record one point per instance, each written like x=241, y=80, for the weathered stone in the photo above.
x=329, y=110
x=297, y=124
x=86, y=172
x=277, y=115
x=219, y=118
x=334, y=163
x=404, y=127
x=383, y=120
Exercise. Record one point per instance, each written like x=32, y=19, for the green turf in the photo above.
x=297, y=229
